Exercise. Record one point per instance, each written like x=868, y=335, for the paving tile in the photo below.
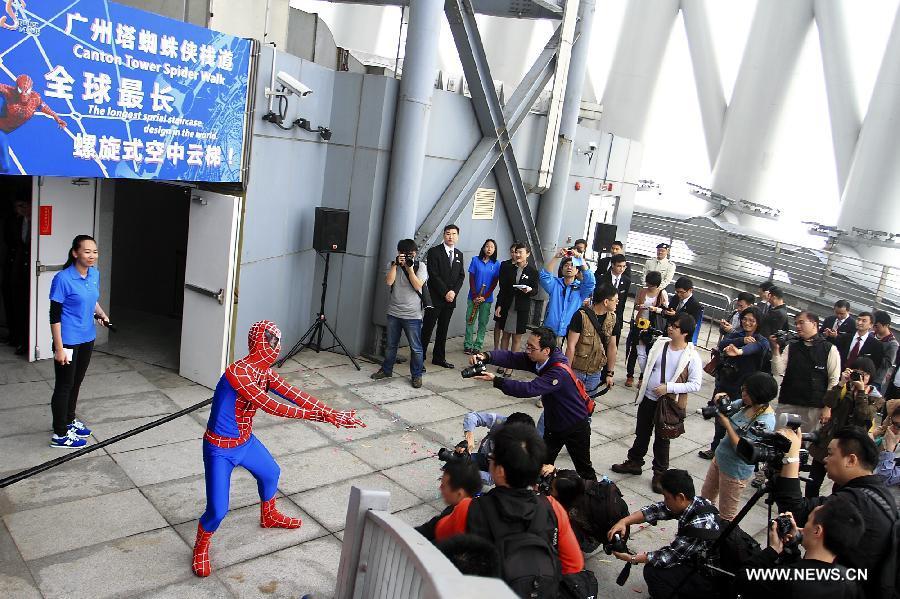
x=425, y=409
x=443, y=379
x=377, y=422
x=392, y=450
x=120, y=568
x=312, y=359
x=195, y=588
x=484, y=399
x=185, y=397
x=16, y=395
x=613, y=423
x=388, y=390
x=87, y=522
x=24, y=451
x=348, y=374
x=125, y=407
x=185, y=499
x=417, y=515
x=158, y=464
x=340, y=398
x=420, y=478
x=83, y=477
x=180, y=429
x=27, y=419
x=240, y=537
x=448, y=433
x=19, y=371
x=15, y=578
x=328, y=505
x=306, y=569
x=307, y=380
x=317, y=467
x=162, y=378
x=290, y=436
x=116, y=383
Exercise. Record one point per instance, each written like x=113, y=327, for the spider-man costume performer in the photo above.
x=229, y=441
x=20, y=104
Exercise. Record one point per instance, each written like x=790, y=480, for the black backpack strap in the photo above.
x=406, y=274
x=886, y=504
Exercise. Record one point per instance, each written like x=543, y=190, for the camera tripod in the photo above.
x=313, y=335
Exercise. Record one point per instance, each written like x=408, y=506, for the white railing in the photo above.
x=385, y=558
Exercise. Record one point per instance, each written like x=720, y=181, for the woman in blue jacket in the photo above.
x=567, y=293
x=484, y=272
x=74, y=295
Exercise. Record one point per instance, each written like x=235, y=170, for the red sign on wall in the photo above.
x=45, y=220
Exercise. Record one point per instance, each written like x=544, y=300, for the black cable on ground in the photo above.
x=5, y=482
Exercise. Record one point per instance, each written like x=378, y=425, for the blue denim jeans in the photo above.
x=591, y=381
x=412, y=327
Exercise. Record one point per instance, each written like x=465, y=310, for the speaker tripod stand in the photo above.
x=313, y=335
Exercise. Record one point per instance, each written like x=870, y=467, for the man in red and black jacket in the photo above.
x=566, y=419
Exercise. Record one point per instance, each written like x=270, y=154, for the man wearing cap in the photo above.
x=662, y=265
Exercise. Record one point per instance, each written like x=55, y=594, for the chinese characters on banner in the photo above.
x=94, y=89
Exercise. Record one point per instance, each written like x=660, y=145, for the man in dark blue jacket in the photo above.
x=566, y=419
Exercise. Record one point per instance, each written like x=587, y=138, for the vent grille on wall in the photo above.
x=483, y=206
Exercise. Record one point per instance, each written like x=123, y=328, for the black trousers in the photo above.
x=662, y=583
x=631, y=343
x=440, y=314
x=816, y=478
x=646, y=417
x=577, y=441
x=68, y=384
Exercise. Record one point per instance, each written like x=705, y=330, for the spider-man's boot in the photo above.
x=201, y=565
x=270, y=517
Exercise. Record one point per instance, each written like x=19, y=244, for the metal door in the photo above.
x=209, y=286
x=62, y=209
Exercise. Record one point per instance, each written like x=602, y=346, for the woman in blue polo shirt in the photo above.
x=484, y=271
x=74, y=295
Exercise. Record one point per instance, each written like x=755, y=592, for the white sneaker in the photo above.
x=69, y=441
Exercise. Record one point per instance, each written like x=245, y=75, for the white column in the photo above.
x=839, y=84
x=871, y=197
x=632, y=78
x=776, y=37
x=710, y=93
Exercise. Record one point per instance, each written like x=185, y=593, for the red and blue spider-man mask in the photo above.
x=264, y=343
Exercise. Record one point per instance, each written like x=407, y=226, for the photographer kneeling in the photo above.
x=851, y=459
x=566, y=419
x=832, y=532
x=698, y=529
x=728, y=474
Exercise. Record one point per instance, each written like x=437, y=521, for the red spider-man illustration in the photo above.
x=19, y=105
x=229, y=439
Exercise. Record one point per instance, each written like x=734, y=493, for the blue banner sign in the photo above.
x=89, y=88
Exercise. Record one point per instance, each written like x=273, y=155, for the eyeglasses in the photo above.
x=531, y=348
x=674, y=326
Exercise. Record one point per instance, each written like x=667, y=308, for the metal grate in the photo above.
x=484, y=204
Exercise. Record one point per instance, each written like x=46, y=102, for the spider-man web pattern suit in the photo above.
x=19, y=104
x=229, y=439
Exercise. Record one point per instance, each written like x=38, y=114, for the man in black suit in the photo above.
x=776, y=317
x=863, y=342
x=605, y=264
x=617, y=276
x=446, y=274
x=683, y=301
x=841, y=324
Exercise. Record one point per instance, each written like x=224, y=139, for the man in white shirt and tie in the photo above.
x=861, y=343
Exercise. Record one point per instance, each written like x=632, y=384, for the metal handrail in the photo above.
x=810, y=274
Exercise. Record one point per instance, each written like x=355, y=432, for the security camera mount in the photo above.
x=324, y=132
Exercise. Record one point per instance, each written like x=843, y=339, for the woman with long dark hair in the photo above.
x=74, y=305
x=484, y=271
x=518, y=284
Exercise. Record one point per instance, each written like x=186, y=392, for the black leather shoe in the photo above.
x=443, y=363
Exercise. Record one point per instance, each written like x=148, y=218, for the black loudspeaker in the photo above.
x=604, y=235
x=330, y=234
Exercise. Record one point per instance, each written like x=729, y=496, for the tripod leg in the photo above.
x=338, y=339
x=297, y=346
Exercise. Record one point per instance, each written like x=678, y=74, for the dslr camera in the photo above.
x=475, y=369
x=648, y=334
x=855, y=376
x=618, y=544
x=784, y=526
x=721, y=404
x=785, y=337
x=451, y=455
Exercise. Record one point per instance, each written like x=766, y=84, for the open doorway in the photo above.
x=15, y=258
x=149, y=251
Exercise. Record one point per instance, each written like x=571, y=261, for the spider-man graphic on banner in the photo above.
x=19, y=103
x=229, y=439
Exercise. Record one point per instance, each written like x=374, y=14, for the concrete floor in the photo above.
x=120, y=522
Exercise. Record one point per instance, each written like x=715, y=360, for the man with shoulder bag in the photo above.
x=675, y=369
x=591, y=342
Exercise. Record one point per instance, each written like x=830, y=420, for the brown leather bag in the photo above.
x=670, y=414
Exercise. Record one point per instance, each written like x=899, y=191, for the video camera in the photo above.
x=647, y=334
x=771, y=447
x=475, y=369
x=721, y=404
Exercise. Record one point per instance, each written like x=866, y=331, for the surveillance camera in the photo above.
x=592, y=146
x=292, y=84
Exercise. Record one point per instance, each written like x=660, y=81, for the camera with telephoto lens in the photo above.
x=475, y=369
x=451, y=455
x=721, y=404
x=785, y=337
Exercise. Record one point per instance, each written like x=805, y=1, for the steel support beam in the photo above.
x=489, y=150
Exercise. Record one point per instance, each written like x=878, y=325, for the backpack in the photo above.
x=737, y=548
x=529, y=559
x=605, y=505
x=588, y=400
x=889, y=575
